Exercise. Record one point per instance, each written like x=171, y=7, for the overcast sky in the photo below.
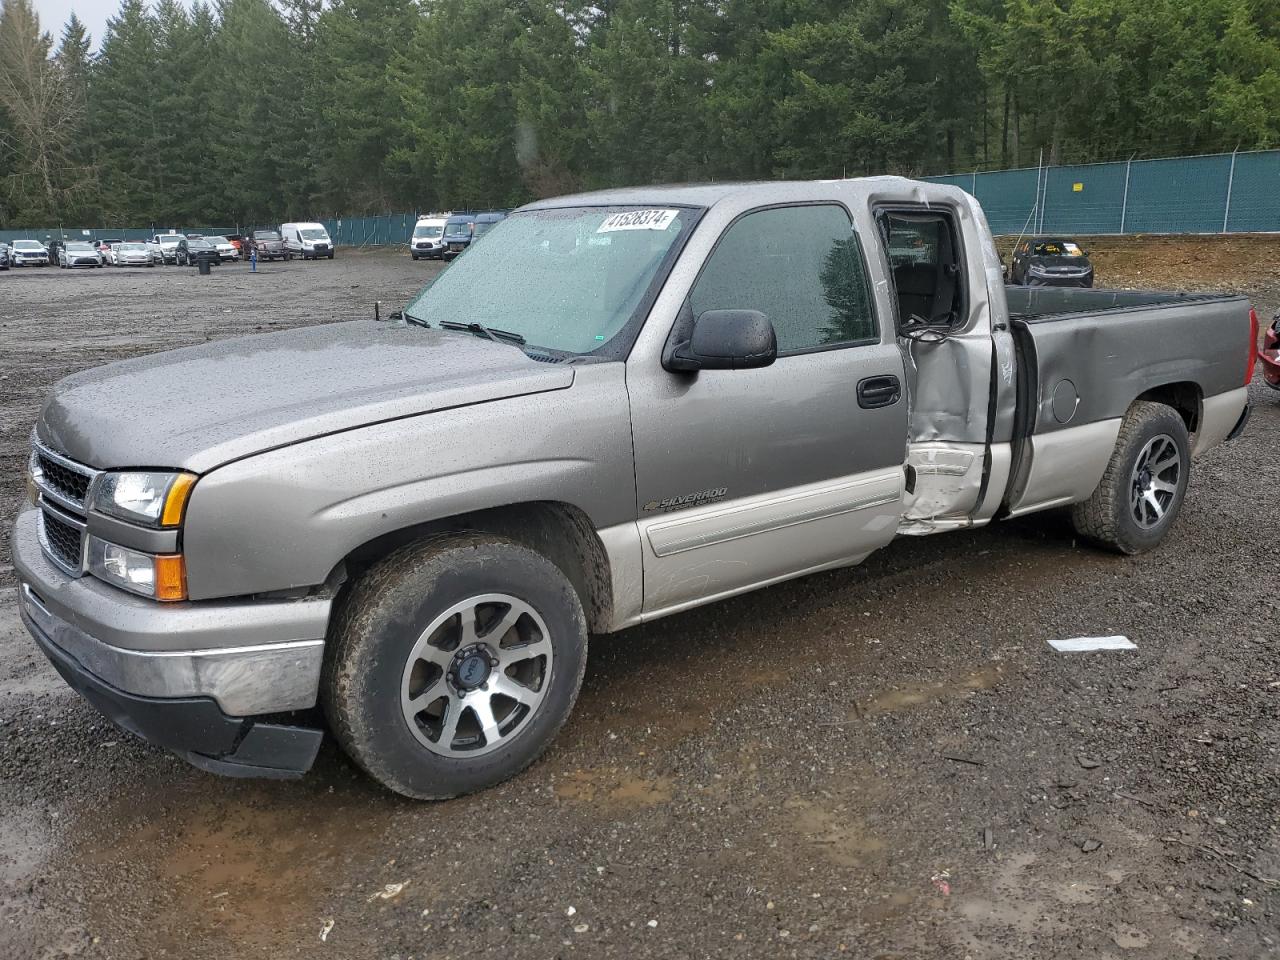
x=95, y=13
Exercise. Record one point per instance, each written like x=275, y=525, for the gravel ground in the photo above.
x=886, y=762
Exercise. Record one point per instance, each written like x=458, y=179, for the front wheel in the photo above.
x=1144, y=485
x=453, y=664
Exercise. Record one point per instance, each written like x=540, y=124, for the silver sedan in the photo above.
x=77, y=254
x=134, y=255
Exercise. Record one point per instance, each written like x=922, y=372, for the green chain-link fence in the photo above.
x=1222, y=193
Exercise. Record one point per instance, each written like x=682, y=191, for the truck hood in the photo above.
x=199, y=407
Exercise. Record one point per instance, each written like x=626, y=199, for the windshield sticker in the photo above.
x=638, y=220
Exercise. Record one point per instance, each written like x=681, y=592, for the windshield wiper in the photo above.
x=494, y=334
x=409, y=318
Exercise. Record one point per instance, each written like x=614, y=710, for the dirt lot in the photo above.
x=886, y=762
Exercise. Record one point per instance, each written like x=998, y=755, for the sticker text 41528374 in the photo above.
x=638, y=220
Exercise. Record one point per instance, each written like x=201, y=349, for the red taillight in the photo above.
x=1253, y=346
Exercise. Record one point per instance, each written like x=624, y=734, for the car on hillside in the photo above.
x=191, y=250
x=226, y=249
x=268, y=244
x=1050, y=262
x=78, y=253
x=427, y=239
x=620, y=406
x=310, y=241
x=133, y=253
x=458, y=231
x=29, y=253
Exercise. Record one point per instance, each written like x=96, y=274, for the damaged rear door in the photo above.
x=960, y=367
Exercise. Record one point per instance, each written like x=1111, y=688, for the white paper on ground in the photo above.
x=1085, y=644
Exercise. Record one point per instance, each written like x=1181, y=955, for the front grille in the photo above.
x=69, y=484
x=62, y=540
x=64, y=487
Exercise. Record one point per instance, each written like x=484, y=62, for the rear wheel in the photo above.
x=453, y=664
x=1144, y=485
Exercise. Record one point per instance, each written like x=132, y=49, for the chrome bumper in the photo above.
x=251, y=657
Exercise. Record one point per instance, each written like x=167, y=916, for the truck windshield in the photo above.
x=311, y=233
x=428, y=230
x=566, y=279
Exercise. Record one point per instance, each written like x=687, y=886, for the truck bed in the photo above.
x=1039, y=304
x=1108, y=346
x=1084, y=356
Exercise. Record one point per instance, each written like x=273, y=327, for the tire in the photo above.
x=378, y=650
x=1150, y=434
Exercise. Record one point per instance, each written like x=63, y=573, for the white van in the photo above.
x=310, y=241
x=428, y=234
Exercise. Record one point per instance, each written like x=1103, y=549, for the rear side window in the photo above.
x=802, y=267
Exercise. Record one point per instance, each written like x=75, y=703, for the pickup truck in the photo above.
x=621, y=405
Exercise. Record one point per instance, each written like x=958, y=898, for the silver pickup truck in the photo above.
x=620, y=405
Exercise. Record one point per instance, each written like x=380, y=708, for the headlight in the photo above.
x=151, y=499
x=159, y=577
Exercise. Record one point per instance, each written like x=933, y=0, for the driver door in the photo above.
x=746, y=477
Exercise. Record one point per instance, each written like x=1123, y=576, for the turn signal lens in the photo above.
x=162, y=577
x=171, y=577
x=175, y=500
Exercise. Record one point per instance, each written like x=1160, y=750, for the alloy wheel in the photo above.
x=1154, y=484
x=476, y=675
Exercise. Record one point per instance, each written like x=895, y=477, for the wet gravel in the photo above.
x=885, y=762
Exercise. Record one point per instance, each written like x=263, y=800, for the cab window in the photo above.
x=929, y=287
x=802, y=267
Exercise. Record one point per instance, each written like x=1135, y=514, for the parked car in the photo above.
x=427, y=239
x=106, y=249
x=268, y=244
x=191, y=250
x=29, y=253
x=226, y=249
x=78, y=253
x=485, y=222
x=168, y=244
x=458, y=231
x=415, y=524
x=1050, y=262
x=307, y=240
x=237, y=241
x=1270, y=355
x=4, y=256
x=133, y=254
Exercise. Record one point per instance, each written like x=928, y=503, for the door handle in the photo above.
x=883, y=391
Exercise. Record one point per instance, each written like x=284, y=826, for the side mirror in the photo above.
x=727, y=340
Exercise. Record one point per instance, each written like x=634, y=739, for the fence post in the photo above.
x=1231, y=179
x=974, y=191
x=1124, y=204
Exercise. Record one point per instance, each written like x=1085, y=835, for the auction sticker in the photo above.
x=638, y=220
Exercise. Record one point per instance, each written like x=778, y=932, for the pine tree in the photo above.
x=42, y=115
